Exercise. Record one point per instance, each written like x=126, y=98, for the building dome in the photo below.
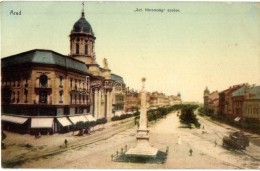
x=206, y=91
x=82, y=25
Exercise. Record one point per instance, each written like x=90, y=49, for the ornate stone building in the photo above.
x=45, y=90
x=82, y=48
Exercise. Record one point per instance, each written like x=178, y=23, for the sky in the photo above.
x=214, y=44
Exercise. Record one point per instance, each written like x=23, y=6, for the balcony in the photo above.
x=40, y=87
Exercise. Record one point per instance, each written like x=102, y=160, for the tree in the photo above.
x=93, y=124
x=87, y=127
x=188, y=117
x=80, y=126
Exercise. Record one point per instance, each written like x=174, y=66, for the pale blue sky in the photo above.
x=206, y=44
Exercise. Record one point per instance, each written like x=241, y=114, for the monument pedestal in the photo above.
x=143, y=148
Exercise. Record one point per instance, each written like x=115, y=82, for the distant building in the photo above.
x=211, y=100
x=225, y=101
x=158, y=100
x=173, y=100
x=241, y=99
x=251, y=107
x=132, y=100
x=118, y=94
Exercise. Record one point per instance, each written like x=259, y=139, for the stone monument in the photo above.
x=143, y=148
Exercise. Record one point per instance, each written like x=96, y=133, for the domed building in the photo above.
x=82, y=41
x=52, y=92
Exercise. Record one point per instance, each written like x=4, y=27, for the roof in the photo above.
x=231, y=89
x=206, y=90
x=117, y=78
x=257, y=97
x=255, y=90
x=82, y=25
x=42, y=56
x=241, y=91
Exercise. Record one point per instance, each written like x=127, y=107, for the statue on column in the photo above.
x=105, y=64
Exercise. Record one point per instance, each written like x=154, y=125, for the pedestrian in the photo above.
x=66, y=143
x=191, y=152
x=215, y=143
x=179, y=140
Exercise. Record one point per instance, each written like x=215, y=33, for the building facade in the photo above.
x=211, y=100
x=52, y=90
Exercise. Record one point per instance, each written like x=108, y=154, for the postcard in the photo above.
x=130, y=85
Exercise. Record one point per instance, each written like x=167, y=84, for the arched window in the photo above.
x=86, y=47
x=77, y=48
x=43, y=80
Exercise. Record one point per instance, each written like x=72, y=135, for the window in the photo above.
x=75, y=97
x=18, y=82
x=75, y=84
x=77, y=48
x=13, y=99
x=26, y=82
x=61, y=81
x=43, y=97
x=61, y=93
x=86, y=47
x=43, y=80
x=70, y=83
x=26, y=94
x=18, y=97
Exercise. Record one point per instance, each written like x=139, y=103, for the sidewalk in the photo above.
x=20, y=148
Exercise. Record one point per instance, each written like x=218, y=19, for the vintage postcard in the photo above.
x=130, y=85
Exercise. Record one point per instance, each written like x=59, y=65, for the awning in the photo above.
x=64, y=121
x=75, y=119
x=90, y=118
x=119, y=113
x=130, y=113
x=42, y=123
x=14, y=119
x=237, y=119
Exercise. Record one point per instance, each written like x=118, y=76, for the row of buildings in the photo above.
x=45, y=90
x=238, y=102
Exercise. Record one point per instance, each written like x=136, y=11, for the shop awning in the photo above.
x=14, y=119
x=119, y=113
x=237, y=119
x=64, y=121
x=75, y=119
x=90, y=118
x=42, y=123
